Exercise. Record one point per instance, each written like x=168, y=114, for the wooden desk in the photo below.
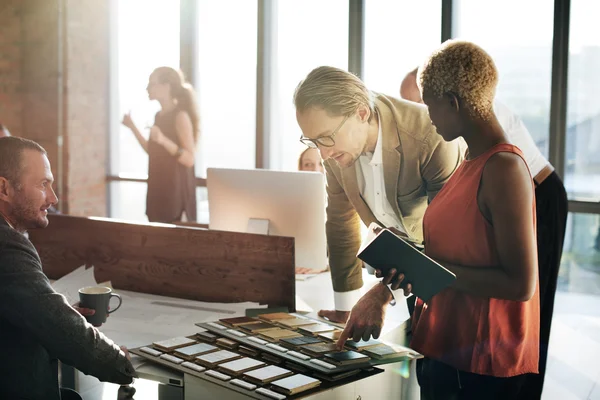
x=196, y=264
x=169, y=260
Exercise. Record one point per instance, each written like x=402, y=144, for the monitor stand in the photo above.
x=258, y=226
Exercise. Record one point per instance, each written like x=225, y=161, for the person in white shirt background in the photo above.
x=551, y=214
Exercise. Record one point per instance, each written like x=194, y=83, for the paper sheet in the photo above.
x=302, y=306
x=70, y=284
x=144, y=318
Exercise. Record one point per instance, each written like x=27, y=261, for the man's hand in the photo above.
x=124, y=350
x=367, y=316
x=126, y=393
x=86, y=312
x=395, y=279
x=339, y=317
x=398, y=233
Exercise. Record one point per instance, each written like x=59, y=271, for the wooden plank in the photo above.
x=170, y=260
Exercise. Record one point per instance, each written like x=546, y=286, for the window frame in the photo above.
x=265, y=61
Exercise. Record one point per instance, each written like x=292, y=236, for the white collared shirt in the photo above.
x=518, y=134
x=371, y=184
x=9, y=224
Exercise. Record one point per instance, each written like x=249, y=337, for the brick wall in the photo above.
x=10, y=65
x=54, y=84
x=87, y=127
x=39, y=78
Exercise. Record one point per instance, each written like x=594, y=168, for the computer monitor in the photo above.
x=292, y=202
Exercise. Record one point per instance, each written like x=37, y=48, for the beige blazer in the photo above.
x=417, y=162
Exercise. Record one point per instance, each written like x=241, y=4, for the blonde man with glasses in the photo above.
x=384, y=163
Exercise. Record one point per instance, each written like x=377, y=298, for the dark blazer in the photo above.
x=38, y=327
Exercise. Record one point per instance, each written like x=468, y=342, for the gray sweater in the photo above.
x=38, y=327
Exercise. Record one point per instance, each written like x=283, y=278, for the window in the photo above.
x=202, y=205
x=398, y=37
x=522, y=52
x=582, y=158
x=311, y=33
x=140, y=47
x=128, y=201
x=226, y=83
x=580, y=264
x=572, y=369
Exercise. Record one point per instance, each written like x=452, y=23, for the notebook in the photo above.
x=384, y=351
x=266, y=374
x=276, y=316
x=360, y=345
x=189, y=352
x=238, y=321
x=295, y=384
x=386, y=251
x=346, y=358
x=319, y=349
x=317, y=328
x=218, y=357
x=299, y=341
x=173, y=343
x=238, y=367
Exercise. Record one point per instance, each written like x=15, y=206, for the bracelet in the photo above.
x=178, y=153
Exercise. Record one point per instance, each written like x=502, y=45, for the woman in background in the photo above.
x=480, y=336
x=310, y=160
x=171, y=148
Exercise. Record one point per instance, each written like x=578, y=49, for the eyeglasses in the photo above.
x=325, y=141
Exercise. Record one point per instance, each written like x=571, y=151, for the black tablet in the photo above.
x=386, y=251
